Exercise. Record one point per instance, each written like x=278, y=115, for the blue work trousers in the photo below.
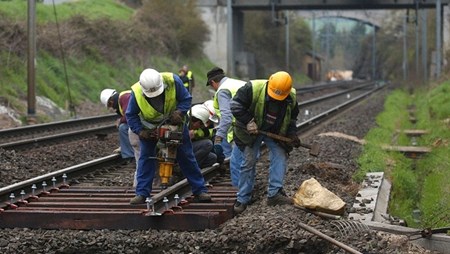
x=236, y=160
x=277, y=168
x=185, y=159
x=227, y=148
x=126, y=149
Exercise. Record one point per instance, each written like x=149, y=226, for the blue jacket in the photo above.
x=183, y=99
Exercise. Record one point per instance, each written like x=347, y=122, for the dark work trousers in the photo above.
x=203, y=152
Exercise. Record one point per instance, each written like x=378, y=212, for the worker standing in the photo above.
x=268, y=105
x=201, y=131
x=225, y=88
x=187, y=77
x=154, y=99
x=119, y=102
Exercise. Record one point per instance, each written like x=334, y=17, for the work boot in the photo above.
x=280, y=199
x=202, y=198
x=138, y=199
x=239, y=207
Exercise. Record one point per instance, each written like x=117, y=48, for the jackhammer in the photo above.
x=169, y=138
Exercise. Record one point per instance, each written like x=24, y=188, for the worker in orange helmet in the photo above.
x=271, y=106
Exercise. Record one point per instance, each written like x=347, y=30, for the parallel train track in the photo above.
x=84, y=204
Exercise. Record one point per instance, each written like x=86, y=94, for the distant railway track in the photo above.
x=38, y=134
x=42, y=134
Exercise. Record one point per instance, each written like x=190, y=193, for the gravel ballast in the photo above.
x=259, y=229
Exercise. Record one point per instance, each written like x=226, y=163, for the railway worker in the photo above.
x=201, y=131
x=268, y=105
x=225, y=88
x=209, y=104
x=187, y=77
x=155, y=98
x=119, y=102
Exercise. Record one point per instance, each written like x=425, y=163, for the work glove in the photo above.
x=252, y=128
x=176, y=117
x=218, y=150
x=295, y=141
x=147, y=134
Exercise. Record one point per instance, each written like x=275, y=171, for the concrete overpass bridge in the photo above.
x=225, y=20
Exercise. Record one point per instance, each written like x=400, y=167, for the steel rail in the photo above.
x=72, y=171
x=81, y=207
x=305, y=125
x=39, y=128
x=324, y=86
x=21, y=144
x=87, y=207
x=331, y=95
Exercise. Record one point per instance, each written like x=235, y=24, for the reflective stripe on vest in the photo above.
x=231, y=85
x=148, y=113
x=189, y=76
x=258, y=101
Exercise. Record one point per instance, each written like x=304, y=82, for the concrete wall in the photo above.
x=214, y=13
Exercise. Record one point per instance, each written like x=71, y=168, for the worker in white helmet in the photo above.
x=209, y=104
x=201, y=131
x=155, y=98
x=119, y=102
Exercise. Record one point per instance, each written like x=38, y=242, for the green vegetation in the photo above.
x=18, y=10
x=416, y=184
x=105, y=44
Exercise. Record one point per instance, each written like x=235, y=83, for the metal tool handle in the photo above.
x=313, y=149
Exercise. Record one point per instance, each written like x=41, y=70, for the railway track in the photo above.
x=100, y=126
x=11, y=196
x=30, y=136
x=92, y=203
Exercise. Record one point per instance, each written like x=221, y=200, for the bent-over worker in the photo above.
x=154, y=99
x=268, y=105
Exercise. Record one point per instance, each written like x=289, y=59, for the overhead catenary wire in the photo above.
x=72, y=110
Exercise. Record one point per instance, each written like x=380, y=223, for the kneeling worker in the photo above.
x=201, y=131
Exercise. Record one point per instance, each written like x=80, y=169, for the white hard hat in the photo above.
x=105, y=95
x=212, y=112
x=199, y=111
x=151, y=83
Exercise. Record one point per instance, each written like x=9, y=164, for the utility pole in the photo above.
x=405, y=52
x=31, y=117
x=374, y=52
x=424, y=46
x=313, y=42
x=438, y=39
x=286, y=19
x=230, y=40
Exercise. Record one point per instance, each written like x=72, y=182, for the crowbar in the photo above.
x=313, y=148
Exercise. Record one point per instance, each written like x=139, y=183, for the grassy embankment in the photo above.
x=87, y=75
x=423, y=184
